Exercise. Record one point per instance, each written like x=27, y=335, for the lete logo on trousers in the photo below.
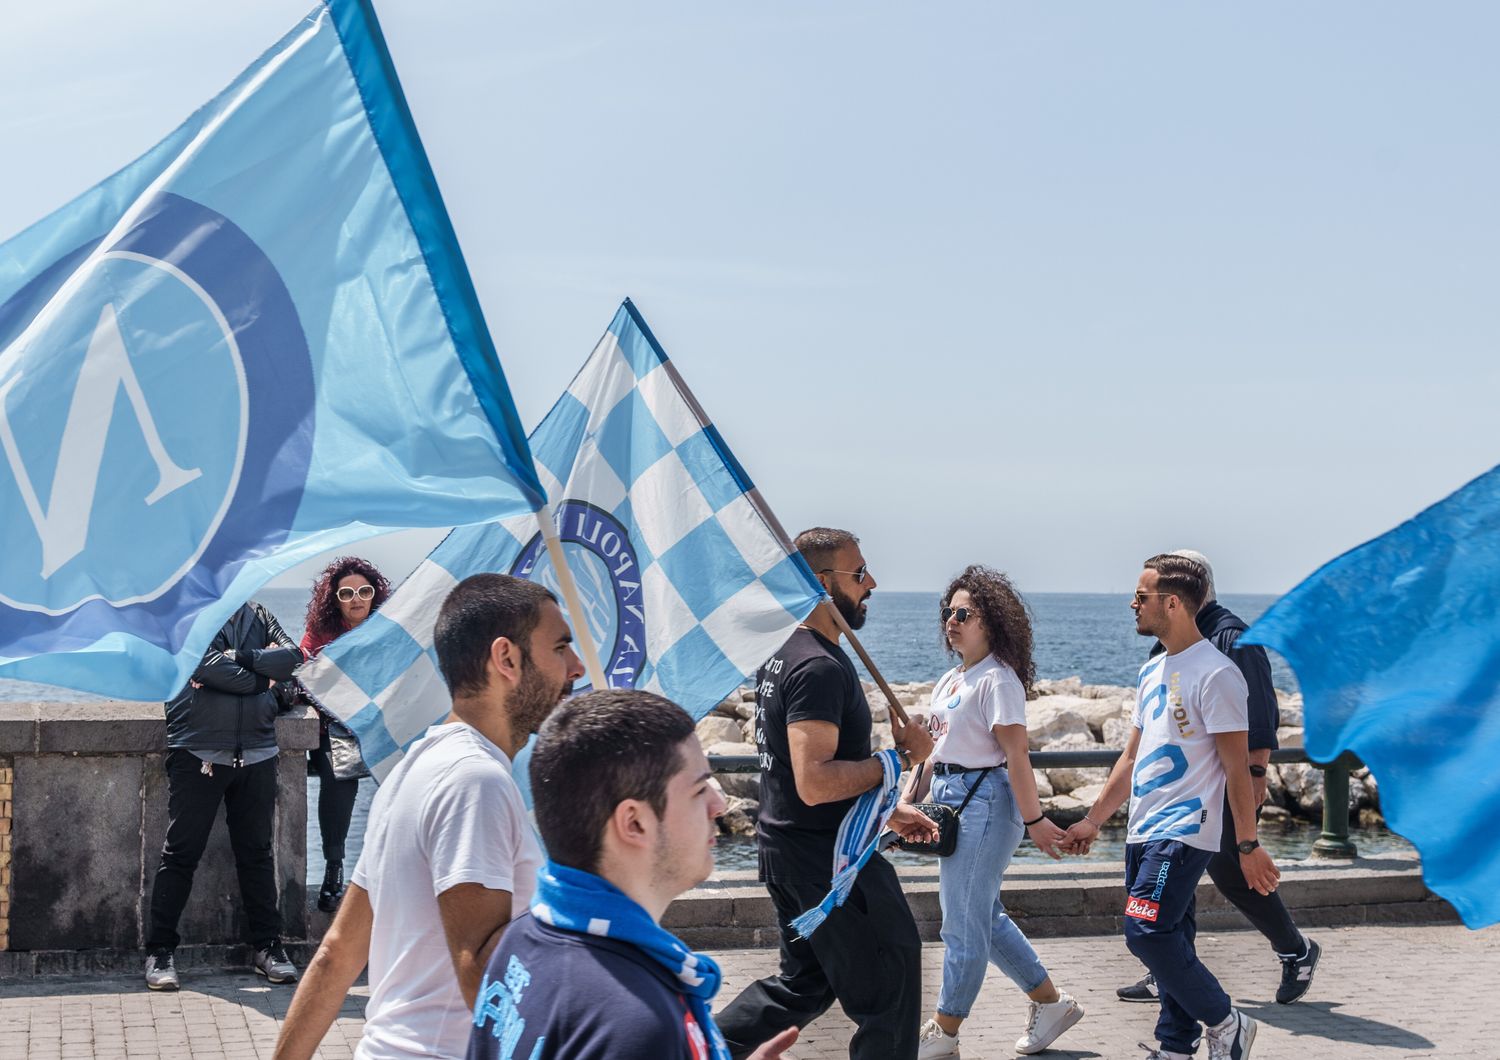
x=155, y=401
x=1142, y=908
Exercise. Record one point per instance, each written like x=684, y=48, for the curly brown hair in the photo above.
x=324, y=619
x=1006, y=618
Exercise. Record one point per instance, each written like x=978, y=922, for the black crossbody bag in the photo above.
x=945, y=817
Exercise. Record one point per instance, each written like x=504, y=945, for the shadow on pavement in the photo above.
x=1318, y=1019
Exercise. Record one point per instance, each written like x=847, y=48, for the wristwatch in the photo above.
x=1257, y=771
x=1248, y=845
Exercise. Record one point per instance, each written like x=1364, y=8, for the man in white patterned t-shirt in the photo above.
x=1187, y=747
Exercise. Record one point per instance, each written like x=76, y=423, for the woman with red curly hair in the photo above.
x=343, y=597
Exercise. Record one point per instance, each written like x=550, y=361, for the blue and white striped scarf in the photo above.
x=579, y=901
x=859, y=834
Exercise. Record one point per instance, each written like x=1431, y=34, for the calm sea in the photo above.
x=1091, y=635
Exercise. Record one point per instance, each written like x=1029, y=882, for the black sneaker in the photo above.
x=1145, y=990
x=1297, y=973
x=332, y=891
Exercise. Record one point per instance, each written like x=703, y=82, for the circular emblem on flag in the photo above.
x=156, y=408
x=608, y=577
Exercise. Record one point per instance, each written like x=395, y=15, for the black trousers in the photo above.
x=1267, y=913
x=193, y=797
x=867, y=956
x=335, y=801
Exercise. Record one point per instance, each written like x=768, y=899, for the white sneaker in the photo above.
x=934, y=1043
x=1153, y=1053
x=1231, y=1040
x=1045, y=1023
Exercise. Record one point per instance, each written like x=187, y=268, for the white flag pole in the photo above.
x=582, y=638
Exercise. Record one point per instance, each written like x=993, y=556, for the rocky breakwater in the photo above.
x=1065, y=715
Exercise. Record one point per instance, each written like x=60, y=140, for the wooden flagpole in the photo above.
x=864, y=657
x=581, y=635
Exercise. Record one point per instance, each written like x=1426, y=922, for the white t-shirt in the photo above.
x=448, y=814
x=966, y=704
x=1177, y=790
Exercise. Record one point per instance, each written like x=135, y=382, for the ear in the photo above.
x=632, y=825
x=505, y=659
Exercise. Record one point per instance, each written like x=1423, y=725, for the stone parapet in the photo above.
x=82, y=820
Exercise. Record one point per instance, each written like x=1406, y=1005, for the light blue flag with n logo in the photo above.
x=688, y=580
x=1396, y=645
x=255, y=343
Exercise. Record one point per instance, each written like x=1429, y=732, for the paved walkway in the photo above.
x=1382, y=993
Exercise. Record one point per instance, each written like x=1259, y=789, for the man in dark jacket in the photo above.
x=221, y=747
x=1267, y=913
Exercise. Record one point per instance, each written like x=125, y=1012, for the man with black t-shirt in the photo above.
x=812, y=728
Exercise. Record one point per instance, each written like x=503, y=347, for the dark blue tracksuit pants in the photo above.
x=1161, y=883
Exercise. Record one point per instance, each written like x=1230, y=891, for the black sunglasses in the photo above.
x=960, y=613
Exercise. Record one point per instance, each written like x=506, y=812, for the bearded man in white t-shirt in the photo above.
x=449, y=856
x=1188, y=746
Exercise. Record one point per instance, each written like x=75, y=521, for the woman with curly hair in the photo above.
x=980, y=754
x=342, y=597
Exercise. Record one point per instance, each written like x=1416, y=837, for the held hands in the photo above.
x=1260, y=870
x=912, y=824
x=1079, y=837
x=1048, y=837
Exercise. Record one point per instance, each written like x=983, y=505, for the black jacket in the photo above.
x=235, y=709
x=1222, y=628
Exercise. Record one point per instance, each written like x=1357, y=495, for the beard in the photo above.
x=535, y=697
x=853, y=610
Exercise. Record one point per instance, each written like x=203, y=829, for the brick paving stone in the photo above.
x=1382, y=992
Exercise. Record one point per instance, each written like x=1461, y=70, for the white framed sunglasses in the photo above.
x=349, y=592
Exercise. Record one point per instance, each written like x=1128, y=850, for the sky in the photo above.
x=1049, y=287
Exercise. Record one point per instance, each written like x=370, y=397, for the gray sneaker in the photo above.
x=273, y=963
x=161, y=971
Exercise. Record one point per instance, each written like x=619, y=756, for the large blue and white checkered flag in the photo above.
x=688, y=581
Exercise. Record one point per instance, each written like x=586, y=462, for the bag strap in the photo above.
x=972, y=788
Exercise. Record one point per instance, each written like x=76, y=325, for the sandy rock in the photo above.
x=880, y=738
x=1059, y=686
x=1043, y=785
x=1089, y=794
x=729, y=708
x=1275, y=790
x=1275, y=815
x=1303, y=788
x=747, y=694
x=1108, y=692
x=739, y=817
x=1064, y=810
x=1290, y=706
x=747, y=729
x=745, y=711
x=1095, y=712
x=739, y=785
x=1045, y=722
x=731, y=747
x=1116, y=732
x=1065, y=780
x=1287, y=736
x=716, y=729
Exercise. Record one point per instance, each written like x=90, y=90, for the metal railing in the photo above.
x=1334, y=843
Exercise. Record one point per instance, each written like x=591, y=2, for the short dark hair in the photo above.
x=821, y=543
x=481, y=609
x=1182, y=577
x=593, y=753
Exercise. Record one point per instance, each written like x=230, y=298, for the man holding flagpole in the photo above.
x=856, y=944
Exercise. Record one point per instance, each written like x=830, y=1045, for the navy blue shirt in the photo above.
x=558, y=995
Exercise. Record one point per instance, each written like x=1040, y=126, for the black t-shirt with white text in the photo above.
x=808, y=679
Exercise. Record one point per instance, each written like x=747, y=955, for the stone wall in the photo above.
x=83, y=815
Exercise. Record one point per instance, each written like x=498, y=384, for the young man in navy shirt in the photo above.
x=626, y=808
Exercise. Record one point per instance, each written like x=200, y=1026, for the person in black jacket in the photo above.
x=1267, y=913
x=221, y=747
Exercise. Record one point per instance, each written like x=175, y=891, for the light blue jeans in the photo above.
x=976, y=928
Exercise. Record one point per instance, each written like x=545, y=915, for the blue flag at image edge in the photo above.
x=1396, y=645
x=688, y=580
x=255, y=343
